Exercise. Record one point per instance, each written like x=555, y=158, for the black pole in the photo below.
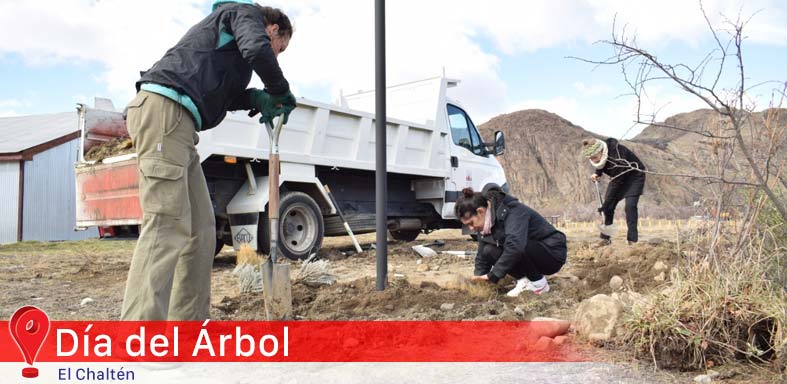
x=381, y=193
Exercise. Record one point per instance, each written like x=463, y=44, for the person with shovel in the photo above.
x=191, y=89
x=513, y=240
x=627, y=182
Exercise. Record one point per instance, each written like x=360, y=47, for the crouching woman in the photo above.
x=513, y=240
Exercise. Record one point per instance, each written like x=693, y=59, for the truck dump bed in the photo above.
x=316, y=134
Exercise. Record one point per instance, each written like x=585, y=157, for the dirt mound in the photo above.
x=596, y=266
x=115, y=147
x=360, y=300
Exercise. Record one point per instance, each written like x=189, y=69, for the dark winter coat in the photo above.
x=215, y=76
x=623, y=167
x=515, y=224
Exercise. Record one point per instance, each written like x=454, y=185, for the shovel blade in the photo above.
x=277, y=291
x=424, y=251
x=607, y=230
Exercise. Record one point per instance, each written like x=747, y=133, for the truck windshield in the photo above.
x=463, y=132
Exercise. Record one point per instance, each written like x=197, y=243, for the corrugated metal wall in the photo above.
x=49, y=196
x=9, y=201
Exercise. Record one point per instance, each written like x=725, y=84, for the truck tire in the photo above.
x=406, y=235
x=300, y=227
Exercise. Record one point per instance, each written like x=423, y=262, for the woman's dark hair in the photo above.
x=275, y=16
x=469, y=203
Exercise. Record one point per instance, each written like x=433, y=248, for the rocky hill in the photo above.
x=546, y=170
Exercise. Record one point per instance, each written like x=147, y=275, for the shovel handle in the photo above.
x=273, y=184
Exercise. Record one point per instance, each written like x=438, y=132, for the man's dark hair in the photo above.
x=276, y=16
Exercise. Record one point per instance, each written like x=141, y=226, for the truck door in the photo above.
x=469, y=158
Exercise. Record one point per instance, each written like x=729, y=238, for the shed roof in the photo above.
x=20, y=133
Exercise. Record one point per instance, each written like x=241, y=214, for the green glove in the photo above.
x=285, y=102
x=269, y=105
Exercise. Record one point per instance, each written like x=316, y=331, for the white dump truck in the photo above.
x=434, y=151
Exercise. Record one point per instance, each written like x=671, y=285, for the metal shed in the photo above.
x=37, y=185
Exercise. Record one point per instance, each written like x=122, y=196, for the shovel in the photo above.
x=606, y=230
x=276, y=286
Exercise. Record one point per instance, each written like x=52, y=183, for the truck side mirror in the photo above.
x=500, y=143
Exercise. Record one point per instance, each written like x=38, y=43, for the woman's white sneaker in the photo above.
x=538, y=287
x=521, y=286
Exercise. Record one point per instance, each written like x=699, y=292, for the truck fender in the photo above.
x=249, y=202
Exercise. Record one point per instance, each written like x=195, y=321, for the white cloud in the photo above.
x=124, y=37
x=680, y=20
x=333, y=44
x=11, y=107
x=592, y=89
x=11, y=103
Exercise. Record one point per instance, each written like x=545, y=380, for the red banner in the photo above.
x=296, y=341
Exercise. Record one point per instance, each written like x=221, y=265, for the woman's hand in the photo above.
x=480, y=278
x=595, y=178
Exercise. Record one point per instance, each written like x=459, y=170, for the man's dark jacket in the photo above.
x=215, y=77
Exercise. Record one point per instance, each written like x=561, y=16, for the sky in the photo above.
x=509, y=55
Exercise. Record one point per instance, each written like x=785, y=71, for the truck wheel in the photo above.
x=300, y=227
x=405, y=235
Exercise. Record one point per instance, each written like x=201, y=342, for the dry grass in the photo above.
x=315, y=272
x=713, y=313
x=248, y=269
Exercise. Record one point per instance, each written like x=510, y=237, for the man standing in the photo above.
x=627, y=175
x=191, y=89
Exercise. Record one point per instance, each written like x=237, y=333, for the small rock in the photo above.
x=422, y=267
x=519, y=311
x=85, y=301
x=628, y=299
x=400, y=276
x=573, y=278
x=661, y=276
x=389, y=307
x=560, y=340
x=419, y=261
x=713, y=374
x=702, y=379
x=616, y=283
x=339, y=291
x=543, y=344
x=550, y=327
x=435, y=268
x=659, y=266
x=597, y=317
x=446, y=306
